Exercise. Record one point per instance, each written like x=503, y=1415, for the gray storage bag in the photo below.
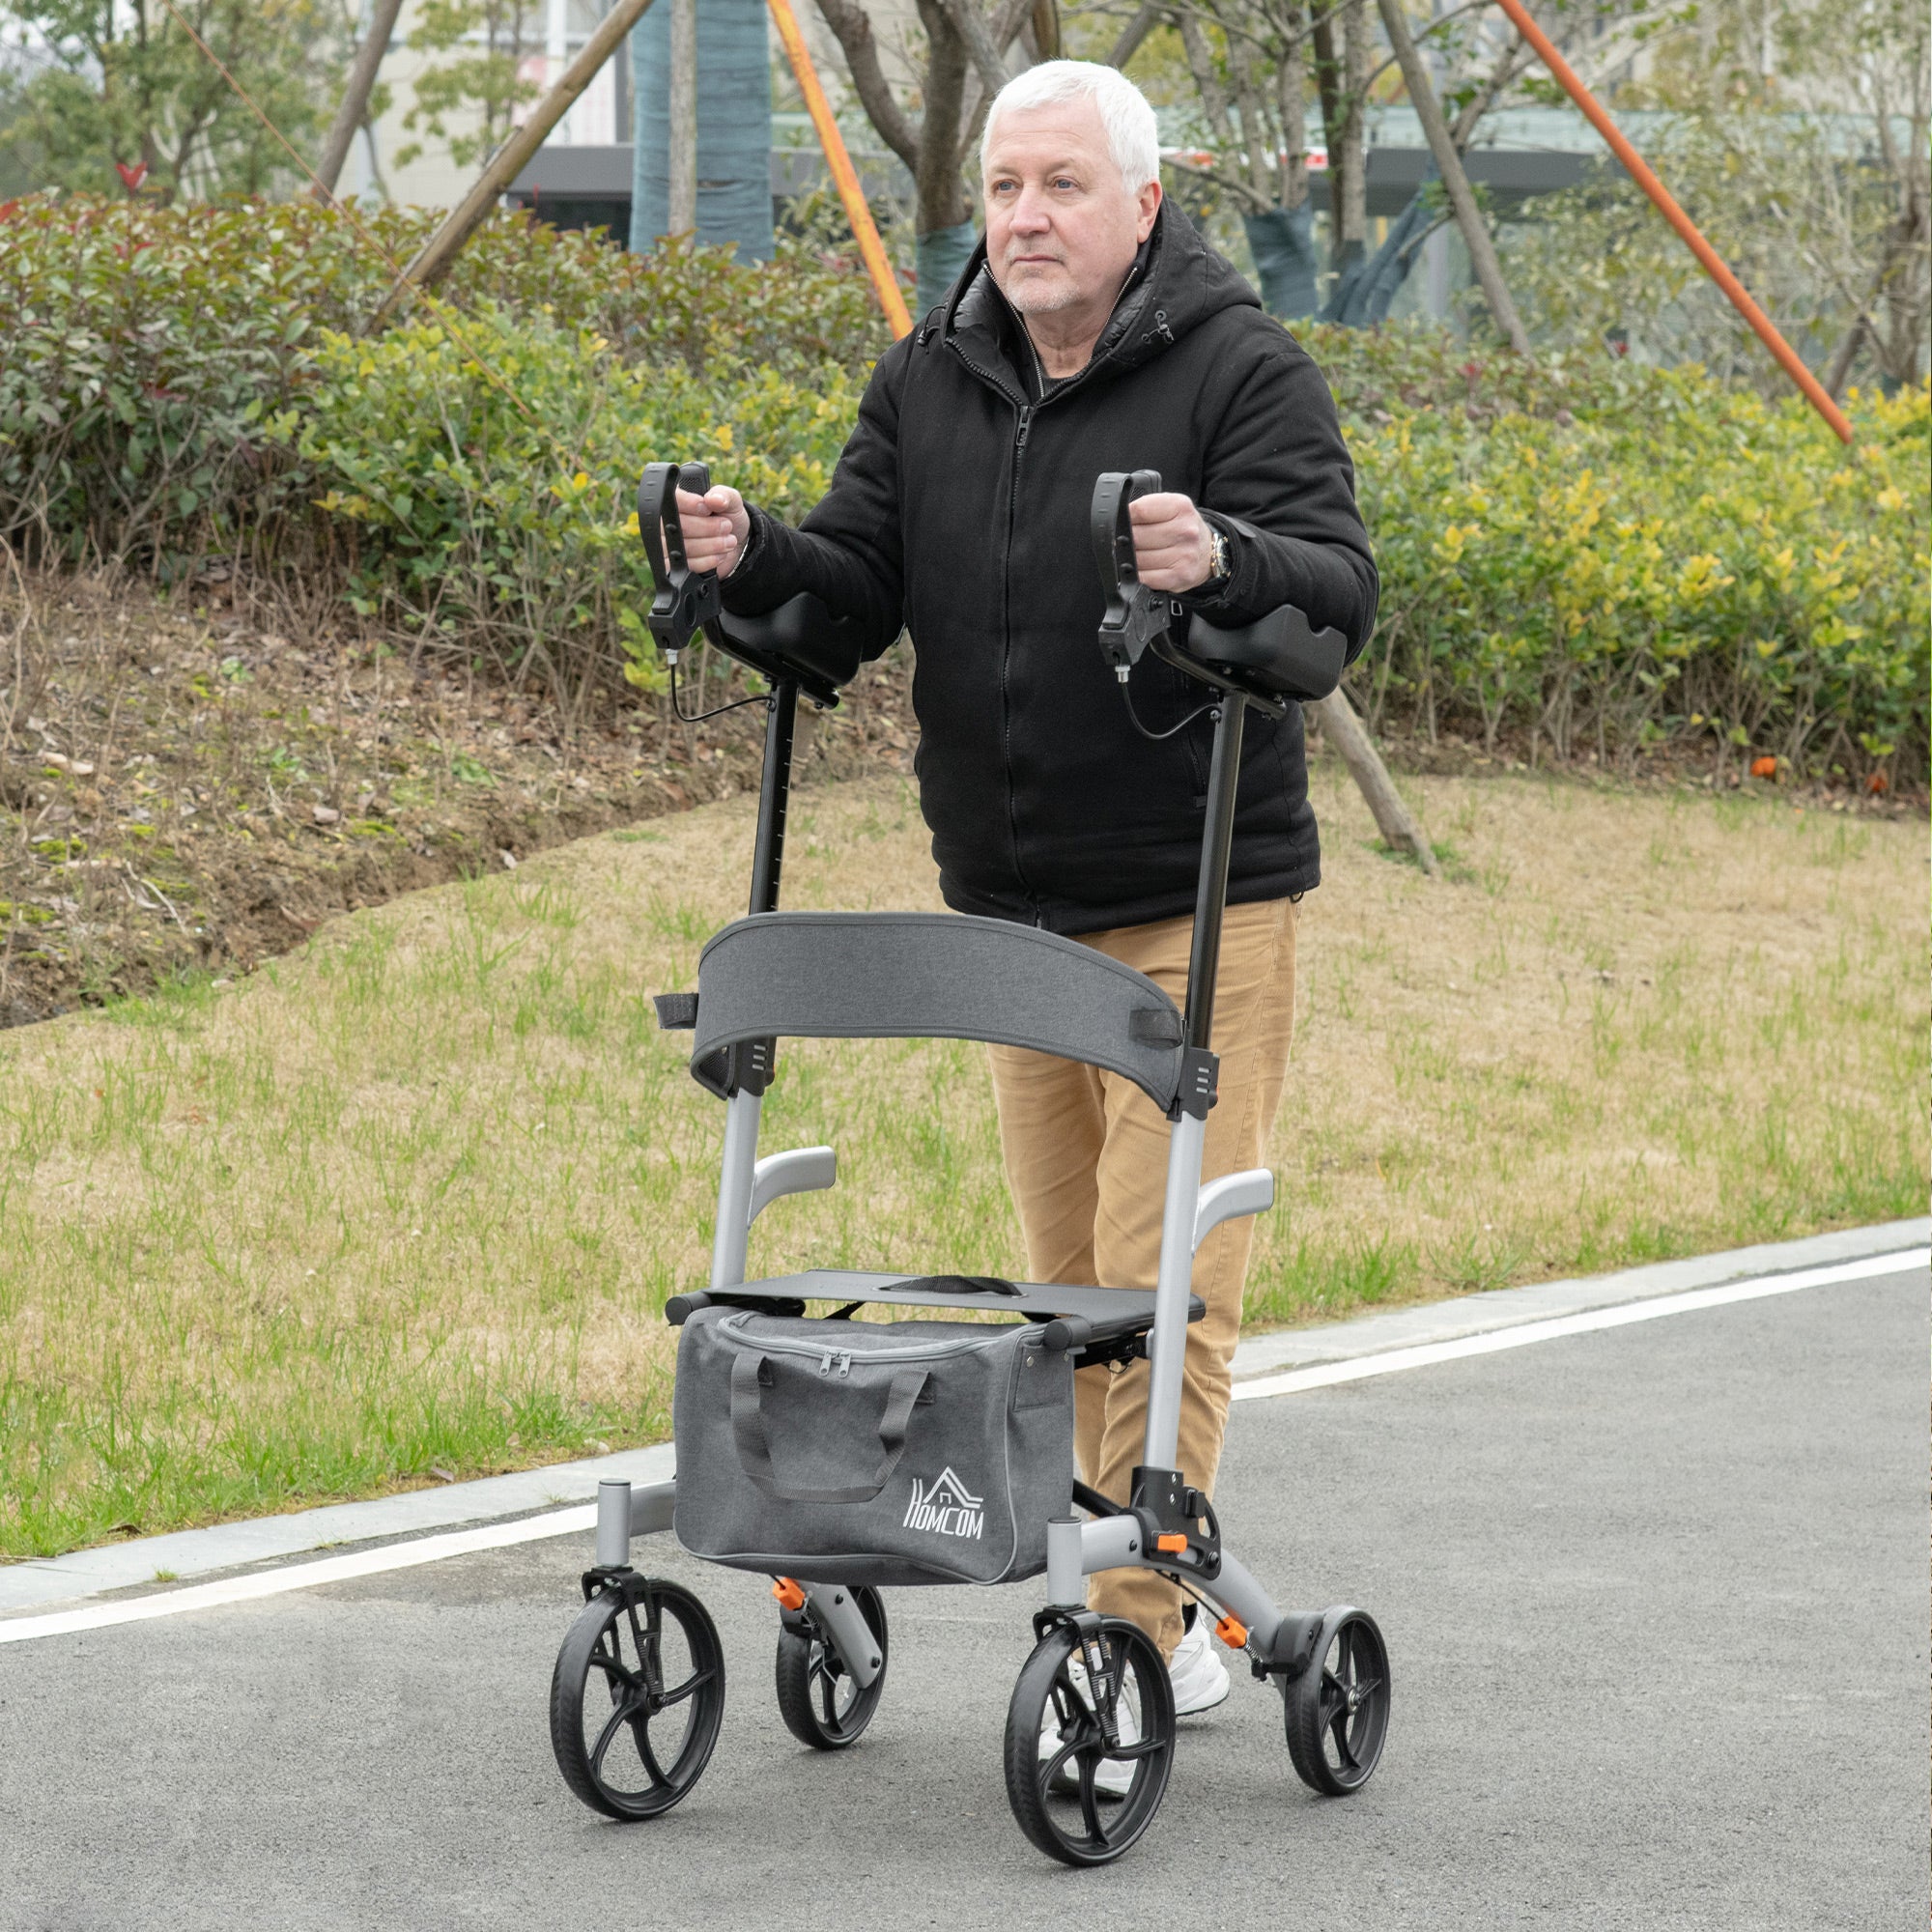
x=859, y=1452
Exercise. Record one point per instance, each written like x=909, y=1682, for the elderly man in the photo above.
x=1093, y=330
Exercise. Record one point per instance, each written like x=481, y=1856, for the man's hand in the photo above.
x=716, y=530
x=1174, y=549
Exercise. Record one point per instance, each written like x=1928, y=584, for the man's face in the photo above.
x=1062, y=230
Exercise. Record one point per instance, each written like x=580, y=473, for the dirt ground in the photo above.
x=183, y=791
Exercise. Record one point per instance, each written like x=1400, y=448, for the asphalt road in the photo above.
x=1657, y=1607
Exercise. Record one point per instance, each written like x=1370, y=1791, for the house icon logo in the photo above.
x=944, y=1507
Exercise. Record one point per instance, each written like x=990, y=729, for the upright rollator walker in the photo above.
x=838, y=1455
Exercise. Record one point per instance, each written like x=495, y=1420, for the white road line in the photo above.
x=301, y=1575
x=1326, y=1375
x=584, y=1516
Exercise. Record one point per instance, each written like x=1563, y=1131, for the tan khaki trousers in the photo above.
x=1086, y=1156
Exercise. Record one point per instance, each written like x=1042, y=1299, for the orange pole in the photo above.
x=871, y=247
x=1713, y=264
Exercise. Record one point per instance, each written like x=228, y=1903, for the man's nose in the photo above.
x=1030, y=215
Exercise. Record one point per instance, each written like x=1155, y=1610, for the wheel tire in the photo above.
x=611, y=1678
x=1337, y=1711
x=1076, y=1830
x=821, y=1703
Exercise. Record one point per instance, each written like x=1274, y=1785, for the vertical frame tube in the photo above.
x=1167, y=1345
x=732, y=1236
x=774, y=796
x=614, y=1524
x=1210, y=889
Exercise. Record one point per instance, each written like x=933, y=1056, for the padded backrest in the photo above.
x=924, y=974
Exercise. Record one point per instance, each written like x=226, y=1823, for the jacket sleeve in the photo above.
x=1277, y=481
x=848, y=552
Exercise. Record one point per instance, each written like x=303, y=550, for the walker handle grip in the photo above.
x=1135, y=615
x=684, y=600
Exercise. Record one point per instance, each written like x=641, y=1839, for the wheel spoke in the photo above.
x=1090, y=1810
x=613, y=1666
x=649, y=1756
x=1049, y=1767
x=694, y=1683
x=1338, y=1729
x=621, y=1716
x=1334, y=1700
x=828, y=1690
x=1145, y=1747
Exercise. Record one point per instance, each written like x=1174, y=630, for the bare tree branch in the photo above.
x=1136, y=31
x=852, y=28
x=966, y=22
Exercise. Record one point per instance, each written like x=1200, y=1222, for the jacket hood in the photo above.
x=1177, y=282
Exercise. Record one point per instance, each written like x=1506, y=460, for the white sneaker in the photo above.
x=1198, y=1677
x=1113, y=1778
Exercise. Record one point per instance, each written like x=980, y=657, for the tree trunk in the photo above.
x=1291, y=102
x=354, y=108
x=1352, y=217
x=942, y=194
x=682, y=213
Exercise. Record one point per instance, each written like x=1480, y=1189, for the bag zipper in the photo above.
x=839, y=1360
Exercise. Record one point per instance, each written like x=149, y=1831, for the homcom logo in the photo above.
x=944, y=1507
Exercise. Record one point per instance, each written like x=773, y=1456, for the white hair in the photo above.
x=1132, y=133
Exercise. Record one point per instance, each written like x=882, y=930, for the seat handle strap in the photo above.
x=753, y=1444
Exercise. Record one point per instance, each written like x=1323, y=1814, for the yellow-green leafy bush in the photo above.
x=1575, y=554
x=495, y=502
x=1720, y=570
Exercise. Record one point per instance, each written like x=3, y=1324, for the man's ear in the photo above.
x=1150, y=205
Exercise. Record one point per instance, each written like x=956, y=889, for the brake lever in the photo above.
x=683, y=600
x=1135, y=616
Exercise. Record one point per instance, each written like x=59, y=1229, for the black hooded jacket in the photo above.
x=958, y=511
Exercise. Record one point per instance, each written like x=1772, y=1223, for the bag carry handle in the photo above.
x=755, y=1449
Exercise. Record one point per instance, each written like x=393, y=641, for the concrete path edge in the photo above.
x=42, y=1583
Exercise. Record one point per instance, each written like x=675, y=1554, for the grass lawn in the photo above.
x=406, y=1206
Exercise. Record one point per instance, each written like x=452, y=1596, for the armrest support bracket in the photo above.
x=1249, y=1192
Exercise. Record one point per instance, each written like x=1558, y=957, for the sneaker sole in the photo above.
x=1213, y=1704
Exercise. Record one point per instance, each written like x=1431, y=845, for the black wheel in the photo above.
x=1338, y=1708
x=820, y=1701
x=637, y=1697
x=1056, y=1740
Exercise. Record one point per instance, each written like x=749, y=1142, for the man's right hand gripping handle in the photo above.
x=685, y=599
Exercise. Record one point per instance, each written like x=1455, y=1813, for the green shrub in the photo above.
x=146, y=346
x=499, y=512
x=1581, y=552
x=1712, y=569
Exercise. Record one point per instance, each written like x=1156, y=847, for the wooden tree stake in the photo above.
x=1449, y=164
x=433, y=260
x=1393, y=818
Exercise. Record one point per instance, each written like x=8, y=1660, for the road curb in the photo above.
x=1505, y=1307
x=200, y=1554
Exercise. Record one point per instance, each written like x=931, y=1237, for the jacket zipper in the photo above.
x=1005, y=656
x=1026, y=413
